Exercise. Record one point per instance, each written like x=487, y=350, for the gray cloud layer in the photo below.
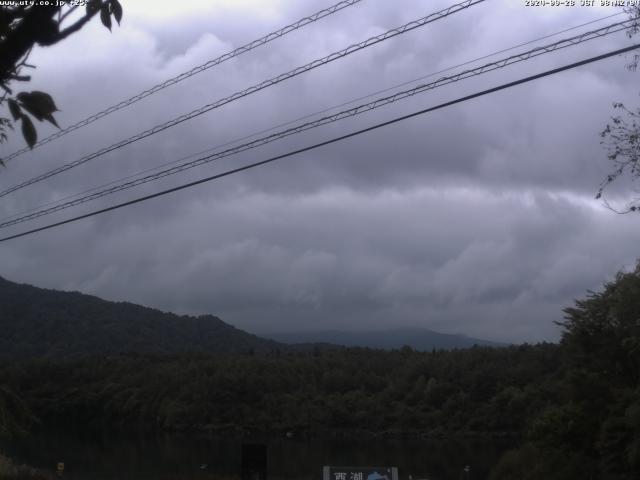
x=477, y=219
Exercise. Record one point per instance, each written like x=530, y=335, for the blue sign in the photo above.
x=359, y=473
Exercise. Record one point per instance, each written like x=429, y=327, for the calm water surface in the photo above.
x=195, y=458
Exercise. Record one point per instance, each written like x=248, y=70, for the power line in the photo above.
x=255, y=88
x=194, y=71
x=609, y=29
x=328, y=142
x=310, y=115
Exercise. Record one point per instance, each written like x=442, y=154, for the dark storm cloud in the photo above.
x=476, y=219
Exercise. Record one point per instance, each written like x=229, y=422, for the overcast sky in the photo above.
x=477, y=219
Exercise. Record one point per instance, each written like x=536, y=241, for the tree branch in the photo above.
x=21, y=78
x=66, y=14
x=34, y=26
x=72, y=28
x=38, y=25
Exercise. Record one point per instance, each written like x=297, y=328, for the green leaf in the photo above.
x=93, y=6
x=116, y=10
x=33, y=112
x=29, y=131
x=44, y=100
x=39, y=104
x=49, y=118
x=14, y=108
x=105, y=16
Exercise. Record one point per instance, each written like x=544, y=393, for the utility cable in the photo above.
x=380, y=102
x=328, y=142
x=255, y=88
x=298, y=119
x=190, y=73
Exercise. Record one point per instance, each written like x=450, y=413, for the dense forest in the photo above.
x=574, y=407
x=467, y=391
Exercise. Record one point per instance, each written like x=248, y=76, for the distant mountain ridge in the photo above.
x=415, y=337
x=41, y=323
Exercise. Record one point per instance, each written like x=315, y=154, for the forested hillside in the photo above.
x=37, y=323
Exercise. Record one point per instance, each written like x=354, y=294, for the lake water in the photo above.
x=174, y=457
